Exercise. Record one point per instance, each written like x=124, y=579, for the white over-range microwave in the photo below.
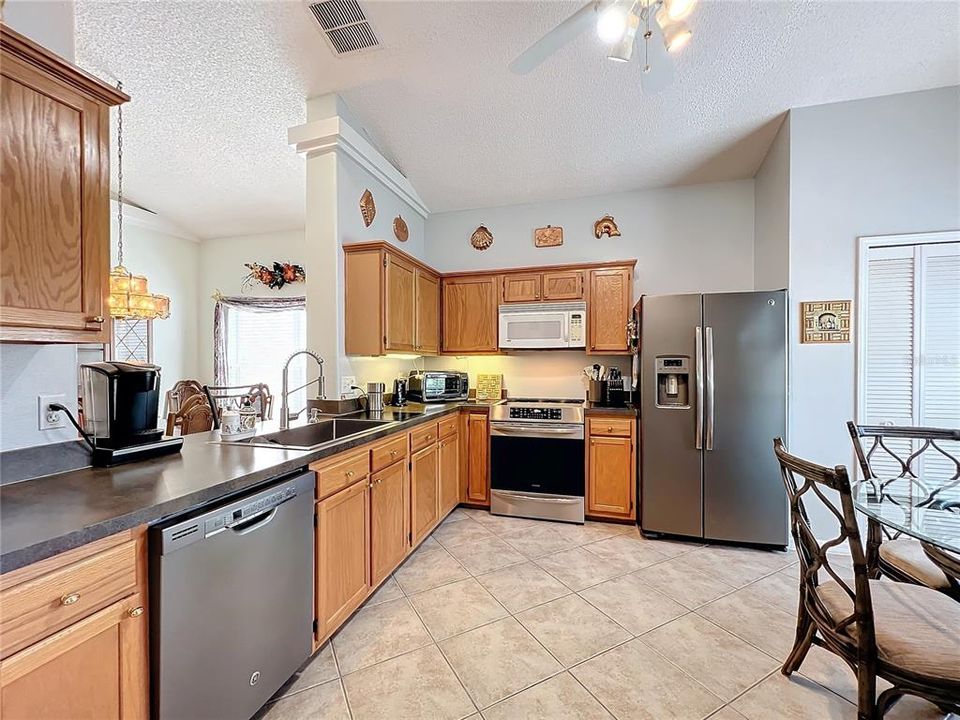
x=542, y=326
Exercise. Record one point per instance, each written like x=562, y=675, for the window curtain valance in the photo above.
x=248, y=304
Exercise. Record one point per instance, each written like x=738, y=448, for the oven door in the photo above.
x=534, y=329
x=537, y=470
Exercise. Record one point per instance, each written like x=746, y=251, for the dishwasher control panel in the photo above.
x=255, y=507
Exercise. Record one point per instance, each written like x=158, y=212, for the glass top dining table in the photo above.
x=917, y=508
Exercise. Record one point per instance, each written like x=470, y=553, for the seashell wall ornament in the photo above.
x=368, y=208
x=481, y=238
x=400, y=229
x=606, y=226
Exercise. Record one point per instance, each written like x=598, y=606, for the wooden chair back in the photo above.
x=233, y=396
x=801, y=477
x=195, y=415
x=178, y=394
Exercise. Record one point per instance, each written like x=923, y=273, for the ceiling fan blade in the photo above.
x=562, y=34
x=660, y=74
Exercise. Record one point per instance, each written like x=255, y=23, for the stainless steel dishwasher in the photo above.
x=231, y=602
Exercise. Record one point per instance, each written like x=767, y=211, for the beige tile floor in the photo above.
x=507, y=619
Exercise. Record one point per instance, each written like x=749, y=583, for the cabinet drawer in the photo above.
x=423, y=436
x=338, y=473
x=618, y=427
x=43, y=605
x=447, y=425
x=387, y=453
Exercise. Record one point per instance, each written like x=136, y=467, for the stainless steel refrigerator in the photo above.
x=712, y=375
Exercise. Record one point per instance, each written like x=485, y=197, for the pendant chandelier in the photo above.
x=129, y=298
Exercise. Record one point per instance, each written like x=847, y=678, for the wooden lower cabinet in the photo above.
x=449, y=459
x=475, y=458
x=343, y=555
x=611, y=473
x=95, y=669
x=424, y=492
x=389, y=520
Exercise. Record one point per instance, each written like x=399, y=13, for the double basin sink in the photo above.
x=314, y=434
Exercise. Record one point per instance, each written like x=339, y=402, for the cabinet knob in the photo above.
x=393, y=453
x=98, y=319
x=135, y=612
x=70, y=599
x=609, y=428
x=349, y=473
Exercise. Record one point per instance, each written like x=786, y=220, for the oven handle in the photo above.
x=528, y=431
x=537, y=498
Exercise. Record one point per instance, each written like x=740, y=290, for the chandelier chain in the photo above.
x=120, y=178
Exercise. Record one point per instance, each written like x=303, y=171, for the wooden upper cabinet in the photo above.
x=563, y=285
x=609, y=307
x=521, y=287
x=470, y=314
x=54, y=196
x=428, y=313
x=400, y=308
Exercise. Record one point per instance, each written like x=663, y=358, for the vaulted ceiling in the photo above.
x=215, y=85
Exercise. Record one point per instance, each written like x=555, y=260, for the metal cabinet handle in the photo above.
x=98, y=319
x=70, y=599
x=135, y=612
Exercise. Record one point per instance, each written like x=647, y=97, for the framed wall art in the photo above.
x=825, y=321
x=549, y=236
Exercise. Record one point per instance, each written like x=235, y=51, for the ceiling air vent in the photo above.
x=345, y=26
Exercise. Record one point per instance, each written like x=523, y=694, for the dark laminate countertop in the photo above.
x=592, y=408
x=49, y=515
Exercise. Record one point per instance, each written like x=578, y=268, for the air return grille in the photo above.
x=346, y=27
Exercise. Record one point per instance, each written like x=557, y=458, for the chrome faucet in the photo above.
x=285, y=415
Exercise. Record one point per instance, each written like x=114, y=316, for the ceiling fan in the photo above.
x=622, y=24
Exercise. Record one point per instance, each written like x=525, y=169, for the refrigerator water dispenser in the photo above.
x=673, y=379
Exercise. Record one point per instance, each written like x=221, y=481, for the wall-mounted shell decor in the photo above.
x=400, y=229
x=481, y=238
x=606, y=226
x=548, y=236
x=368, y=208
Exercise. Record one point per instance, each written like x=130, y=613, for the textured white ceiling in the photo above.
x=215, y=85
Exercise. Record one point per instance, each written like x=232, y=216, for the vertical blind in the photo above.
x=911, y=345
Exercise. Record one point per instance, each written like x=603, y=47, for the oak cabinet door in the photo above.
x=424, y=492
x=610, y=477
x=475, y=445
x=95, y=669
x=54, y=198
x=389, y=526
x=428, y=313
x=523, y=287
x=449, y=450
x=609, y=310
x=401, y=315
x=343, y=555
x=563, y=285
x=470, y=314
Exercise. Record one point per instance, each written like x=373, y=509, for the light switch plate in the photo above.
x=346, y=382
x=50, y=419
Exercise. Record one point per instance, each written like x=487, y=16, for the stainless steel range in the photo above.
x=537, y=459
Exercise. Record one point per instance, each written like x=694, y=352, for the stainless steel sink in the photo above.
x=313, y=435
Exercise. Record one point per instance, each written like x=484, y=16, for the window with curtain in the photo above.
x=253, y=338
x=909, y=339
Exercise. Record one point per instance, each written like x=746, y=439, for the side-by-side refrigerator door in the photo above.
x=671, y=498
x=745, y=354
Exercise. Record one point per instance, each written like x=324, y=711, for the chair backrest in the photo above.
x=799, y=478
x=194, y=415
x=900, y=449
x=178, y=394
x=233, y=396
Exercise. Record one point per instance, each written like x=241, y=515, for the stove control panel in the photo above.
x=536, y=413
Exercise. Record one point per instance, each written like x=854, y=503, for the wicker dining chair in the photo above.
x=899, y=557
x=179, y=393
x=909, y=635
x=194, y=415
x=225, y=396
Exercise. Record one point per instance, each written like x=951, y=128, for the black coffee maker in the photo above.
x=399, y=398
x=120, y=402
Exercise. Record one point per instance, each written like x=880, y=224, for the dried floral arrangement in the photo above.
x=276, y=277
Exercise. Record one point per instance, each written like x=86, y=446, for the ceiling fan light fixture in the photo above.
x=622, y=51
x=612, y=23
x=676, y=35
x=678, y=9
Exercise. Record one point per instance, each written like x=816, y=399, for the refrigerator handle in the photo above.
x=699, y=411
x=709, y=398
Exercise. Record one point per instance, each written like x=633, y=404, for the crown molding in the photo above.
x=334, y=134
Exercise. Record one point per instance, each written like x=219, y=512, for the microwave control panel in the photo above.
x=576, y=328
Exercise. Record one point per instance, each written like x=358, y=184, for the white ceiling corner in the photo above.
x=216, y=85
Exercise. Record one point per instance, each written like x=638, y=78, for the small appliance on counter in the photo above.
x=399, y=398
x=375, y=392
x=120, y=402
x=438, y=385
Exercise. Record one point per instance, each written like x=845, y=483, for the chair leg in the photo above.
x=874, y=539
x=805, y=632
x=867, y=706
x=888, y=698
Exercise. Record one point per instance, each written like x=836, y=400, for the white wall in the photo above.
x=221, y=267
x=879, y=166
x=47, y=22
x=771, y=246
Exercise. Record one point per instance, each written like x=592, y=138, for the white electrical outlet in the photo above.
x=347, y=382
x=50, y=419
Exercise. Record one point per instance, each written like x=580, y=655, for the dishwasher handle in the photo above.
x=254, y=522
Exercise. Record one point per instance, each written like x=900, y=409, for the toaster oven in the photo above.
x=437, y=386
